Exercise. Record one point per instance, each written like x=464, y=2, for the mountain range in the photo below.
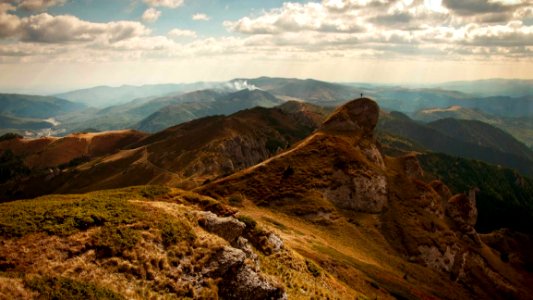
x=270, y=188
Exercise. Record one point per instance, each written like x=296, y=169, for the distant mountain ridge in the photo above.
x=221, y=104
x=105, y=96
x=438, y=140
x=31, y=106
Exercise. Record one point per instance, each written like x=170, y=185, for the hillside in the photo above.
x=325, y=215
x=455, y=112
x=223, y=104
x=184, y=155
x=492, y=87
x=519, y=128
x=483, y=134
x=440, y=141
x=356, y=199
x=39, y=107
x=52, y=151
x=147, y=242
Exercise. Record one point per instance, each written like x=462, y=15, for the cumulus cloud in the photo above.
x=200, y=17
x=151, y=15
x=358, y=29
x=9, y=23
x=45, y=28
x=39, y=5
x=164, y=3
x=180, y=33
x=407, y=27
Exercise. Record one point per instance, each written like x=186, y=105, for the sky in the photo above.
x=49, y=46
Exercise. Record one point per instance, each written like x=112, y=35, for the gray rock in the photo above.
x=275, y=242
x=226, y=260
x=228, y=228
x=238, y=279
x=248, y=284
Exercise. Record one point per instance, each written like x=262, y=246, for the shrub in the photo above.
x=10, y=136
x=236, y=199
x=11, y=166
x=173, y=232
x=64, y=215
x=313, y=268
x=154, y=191
x=248, y=221
x=68, y=289
x=113, y=241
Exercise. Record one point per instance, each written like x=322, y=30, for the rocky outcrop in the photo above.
x=365, y=191
x=462, y=210
x=227, y=228
x=412, y=167
x=436, y=259
x=237, y=265
x=239, y=280
x=359, y=115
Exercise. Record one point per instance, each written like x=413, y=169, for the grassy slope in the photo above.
x=131, y=243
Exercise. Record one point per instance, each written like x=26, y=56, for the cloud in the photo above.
x=151, y=15
x=164, y=3
x=45, y=28
x=9, y=24
x=425, y=28
x=180, y=33
x=39, y=5
x=200, y=17
x=472, y=7
x=310, y=32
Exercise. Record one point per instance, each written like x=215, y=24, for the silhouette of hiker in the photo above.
x=361, y=95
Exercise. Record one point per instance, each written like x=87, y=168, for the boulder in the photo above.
x=238, y=279
x=227, y=228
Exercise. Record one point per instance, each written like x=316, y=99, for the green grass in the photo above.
x=154, y=191
x=174, y=231
x=64, y=215
x=113, y=241
x=67, y=289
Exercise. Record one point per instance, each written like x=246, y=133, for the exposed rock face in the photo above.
x=412, y=166
x=228, y=228
x=372, y=154
x=358, y=115
x=463, y=212
x=365, y=191
x=240, y=280
x=436, y=259
x=462, y=208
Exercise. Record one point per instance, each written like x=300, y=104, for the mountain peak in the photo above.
x=357, y=115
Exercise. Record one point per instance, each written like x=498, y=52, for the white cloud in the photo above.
x=151, y=15
x=179, y=33
x=64, y=28
x=164, y=3
x=351, y=29
x=200, y=17
x=39, y=5
x=9, y=23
